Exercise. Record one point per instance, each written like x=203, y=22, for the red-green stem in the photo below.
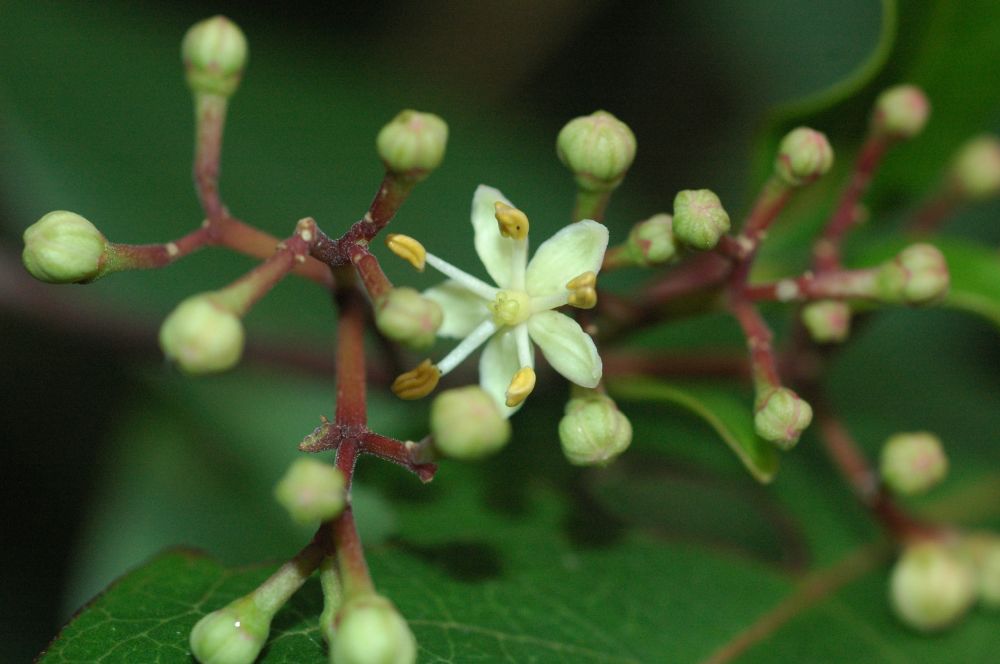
x=145, y=256
x=839, y=284
x=351, y=421
x=591, y=204
x=210, y=119
x=398, y=453
x=372, y=276
x=246, y=291
x=351, y=408
x=763, y=365
x=773, y=197
x=827, y=250
x=391, y=194
x=864, y=480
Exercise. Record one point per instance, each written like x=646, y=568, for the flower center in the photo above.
x=510, y=307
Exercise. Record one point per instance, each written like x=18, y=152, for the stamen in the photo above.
x=520, y=386
x=513, y=223
x=408, y=249
x=480, y=288
x=582, y=293
x=587, y=279
x=417, y=383
x=470, y=343
x=552, y=301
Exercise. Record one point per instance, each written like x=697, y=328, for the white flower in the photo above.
x=517, y=311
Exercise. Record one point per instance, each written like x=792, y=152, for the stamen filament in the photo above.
x=480, y=288
x=524, y=355
x=519, y=264
x=470, y=343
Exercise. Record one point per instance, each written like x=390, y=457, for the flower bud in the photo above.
x=918, y=275
x=932, y=586
x=699, y=218
x=406, y=316
x=803, y=156
x=312, y=491
x=983, y=549
x=214, y=52
x=912, y=463
x=202, y=336
x=467, y=424
x=413, y=143
x=593, y=432
x=781, y=416
x=900, y=112
x=651, y=242
x=63, y=247
x=828, y=321
x=598, y=149
x=371, y=631
x=235, y=634
x=975, y=171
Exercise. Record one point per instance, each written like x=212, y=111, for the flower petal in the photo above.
x=567, y=347
x=495, y=251
x=497, y=366
x=575, y=249
x=463, y=309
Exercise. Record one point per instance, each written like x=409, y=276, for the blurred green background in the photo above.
x=111, y=456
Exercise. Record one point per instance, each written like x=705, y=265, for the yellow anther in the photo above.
x=582, y=294
x=585, y=280
x=520, y=386
x=583, y=298
x=408, y=249
x=513, y=223
x=417, y=383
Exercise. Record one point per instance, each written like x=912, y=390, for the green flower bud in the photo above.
x=983, y=549
x=781, y=416
x=828, y=321
x=62, y=248
x=312, y=491
x=912, y=463
x=803, y=156
x=593, y=432
x=975, y=171
x=467, y=424
x=598, y=149
x=406, y=316
x=202, y=336
x=371, y=631
x=932, y=586
x=918, y=275
x=901, y=112
x=413, y=143
x=699, y=218
x=651, y=242
x=235, y=634
x=214, y=52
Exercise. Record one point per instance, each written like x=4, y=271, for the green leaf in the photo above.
x=728, y=415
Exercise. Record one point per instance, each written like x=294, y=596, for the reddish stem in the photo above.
x=351, y=408
x=391, y=194
x=763, y=364
x=210, y=119
x=855, y=468
x=837, y=285
x=397, y=452
x=372, y=276
x=240, y=236
x=826, y=251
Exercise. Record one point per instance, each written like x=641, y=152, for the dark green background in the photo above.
x=110, y=455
